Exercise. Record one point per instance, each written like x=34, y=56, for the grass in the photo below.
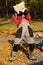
x=36, y=25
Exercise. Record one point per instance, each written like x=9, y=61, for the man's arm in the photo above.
x=27, y=15
x=17, y=20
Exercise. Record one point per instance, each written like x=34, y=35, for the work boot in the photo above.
x=13, y=56
x=15, y=49
x=31, y=56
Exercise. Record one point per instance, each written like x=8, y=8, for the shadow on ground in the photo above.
x=41, y=63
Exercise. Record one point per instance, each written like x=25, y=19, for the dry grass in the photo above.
x=21, y=58
x=37, y=25
x=6, y=31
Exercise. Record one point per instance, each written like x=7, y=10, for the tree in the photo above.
x=33, y=8
x=40, y=10
x=6, y=9
x=7, y=5
x=36, y=6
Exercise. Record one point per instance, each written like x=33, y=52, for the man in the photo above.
x=23, y=30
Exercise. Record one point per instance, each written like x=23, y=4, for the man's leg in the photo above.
x=31, y=49
x=31, y=43
x=16, y=45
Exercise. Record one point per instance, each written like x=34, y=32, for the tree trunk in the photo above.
x=6, y=9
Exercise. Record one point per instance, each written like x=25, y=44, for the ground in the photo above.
x=7, y=29
x=21, y=58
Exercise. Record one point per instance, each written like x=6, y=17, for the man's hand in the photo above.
x=20, y=13
x=26, y=12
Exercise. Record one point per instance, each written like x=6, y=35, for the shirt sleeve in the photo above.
x=28, y=17
x=17, y=20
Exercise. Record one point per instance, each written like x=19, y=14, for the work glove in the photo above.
x=14, y=12
x=20, y=13
x=25, y=12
